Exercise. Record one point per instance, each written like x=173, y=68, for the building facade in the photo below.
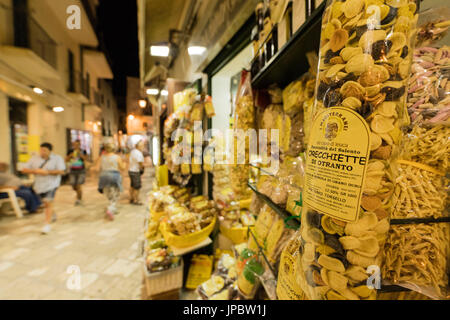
x=52, y=86
x=140, y=117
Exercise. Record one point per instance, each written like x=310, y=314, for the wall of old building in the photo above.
x=5, y=137
x=42, y=121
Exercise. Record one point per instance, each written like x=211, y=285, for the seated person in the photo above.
x=10, y=181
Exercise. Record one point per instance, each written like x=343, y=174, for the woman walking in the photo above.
x=110, y=181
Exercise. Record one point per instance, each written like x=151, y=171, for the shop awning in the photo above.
x=27, y=62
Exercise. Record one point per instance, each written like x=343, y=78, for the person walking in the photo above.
x=110, y=180
x=77, y=159
x=47, y=168
x=135, y=171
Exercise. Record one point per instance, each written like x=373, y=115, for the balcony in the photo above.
x=41, y=43
x=34, y=52
x=93, y=110
x=79, y=88
x=95, y=97
x=97, y=62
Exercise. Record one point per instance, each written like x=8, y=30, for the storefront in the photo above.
x=85, y=138
x=356, y=193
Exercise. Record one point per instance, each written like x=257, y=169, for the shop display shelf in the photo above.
x=419, y=220
x=385, y=288
x=290, y=60
x=296, y=224
x=163, y=281
x=273, y=270
x=283, y=213
x=261, y=251
x=262, y=170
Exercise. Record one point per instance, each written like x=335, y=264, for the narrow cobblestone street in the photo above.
x=35, y=266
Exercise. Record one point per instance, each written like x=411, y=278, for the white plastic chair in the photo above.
x=13, y=200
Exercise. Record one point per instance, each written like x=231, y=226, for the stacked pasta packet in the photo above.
x=417, y=253
x=364, y=68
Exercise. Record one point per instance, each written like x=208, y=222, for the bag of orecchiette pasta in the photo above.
x=417, y=252
x=358, y=115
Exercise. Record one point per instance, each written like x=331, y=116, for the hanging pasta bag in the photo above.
x=417, y=249
x=357, y=119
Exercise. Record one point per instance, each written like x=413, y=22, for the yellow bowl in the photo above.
x=156, y=215
x=188, y=240
x=236, y=235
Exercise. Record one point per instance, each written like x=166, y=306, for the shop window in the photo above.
x=19, y=133
x=71, y=71
x=88, y=81
x=103, y=128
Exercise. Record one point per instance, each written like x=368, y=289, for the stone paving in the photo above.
x=106, y=254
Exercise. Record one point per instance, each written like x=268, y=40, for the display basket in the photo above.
x=188, y=240
x=156, y=215
x=245, y=204
x=163, y=281
x=236, y=235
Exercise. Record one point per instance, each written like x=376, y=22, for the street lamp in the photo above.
x=58, y=109
x=131, y=117
x=159, y=51
x=196, y=50
x=38, y=90
x=152, y=92
x=142, y=103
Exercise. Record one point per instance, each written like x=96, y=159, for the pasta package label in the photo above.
x=200, y=271
x=336, y=163
x=287, y=286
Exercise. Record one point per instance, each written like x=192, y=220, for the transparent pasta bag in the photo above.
x=244, y=111
x=417, y=252
x=268, y=281
x=429, y=92
x=421, y=265
x=256, y=204
x=170, y=125
x=421, y=190
x=249, y=269
x=276, y=94
x=293, y=96
x=357, y=120
x=296, y=137
x=288, y=286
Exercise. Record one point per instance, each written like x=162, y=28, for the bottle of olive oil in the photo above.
x=255, y=42
x=268, y=25
x=260, y=23
x=310, y=5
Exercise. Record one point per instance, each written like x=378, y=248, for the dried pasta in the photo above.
x=429, y=146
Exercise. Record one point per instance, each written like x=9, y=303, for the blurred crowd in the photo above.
x=47, y=170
